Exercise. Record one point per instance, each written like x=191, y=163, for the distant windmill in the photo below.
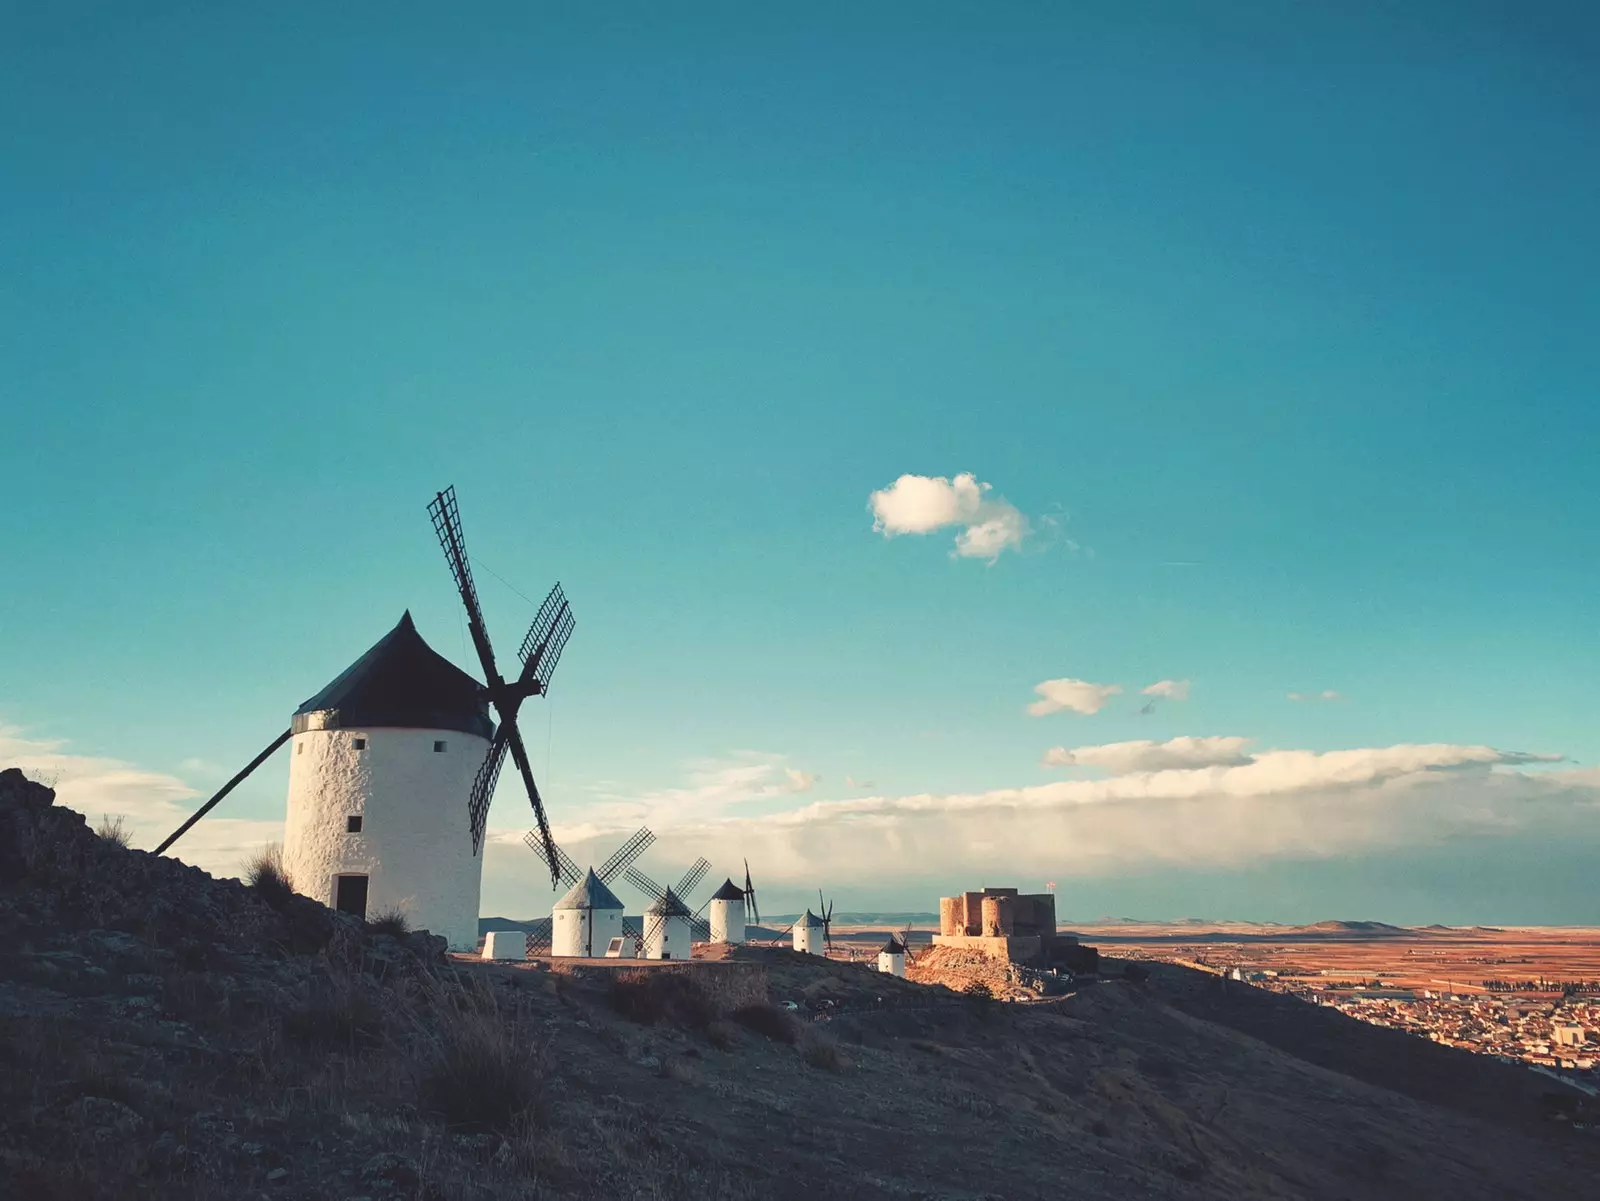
x=540, y=651
x=731, y=909
x=813, y=931
x=666, y=902
x=586, y=909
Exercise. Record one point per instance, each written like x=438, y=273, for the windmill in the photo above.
x=669, y=901
x=812, y=932
x=540, y=651
x=540, y=939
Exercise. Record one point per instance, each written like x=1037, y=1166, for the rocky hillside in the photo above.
x=164, y=1034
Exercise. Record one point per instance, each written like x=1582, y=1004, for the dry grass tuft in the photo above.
x=391, y=922
x=337, y=1016
x=113, y=829
x=771, y=1022
x=723, y=1035
x=823, y=1053
x=675, y=996
x=478, y=1067
x=264, y=872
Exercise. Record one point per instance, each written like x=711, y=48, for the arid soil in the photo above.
x=163, y=1034
x=1457, y=959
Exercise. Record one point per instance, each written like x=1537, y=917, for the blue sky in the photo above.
x=1274, y=325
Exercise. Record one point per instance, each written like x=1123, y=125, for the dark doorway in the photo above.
x=350, y=895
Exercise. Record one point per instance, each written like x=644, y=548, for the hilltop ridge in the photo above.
x=167, y=1035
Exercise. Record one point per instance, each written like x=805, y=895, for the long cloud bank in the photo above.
x=1277, y=804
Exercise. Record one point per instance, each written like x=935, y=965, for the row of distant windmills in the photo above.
x=384, y=756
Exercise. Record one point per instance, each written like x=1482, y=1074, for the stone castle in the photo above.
x=1006, y=924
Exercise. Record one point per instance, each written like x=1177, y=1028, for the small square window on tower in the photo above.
x=352, y=824
x=438, y=747
x=359, y=743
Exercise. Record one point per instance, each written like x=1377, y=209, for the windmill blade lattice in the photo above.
x=623, y=857
x=692, y=877
x=564, y=869
x=551, y=628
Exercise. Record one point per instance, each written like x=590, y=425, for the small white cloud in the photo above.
x=1313, y=697
x=1078, y=695
x=1120, y=758
x=922, y=504
x=852, y=782
x=801, y=781
x=1168, y=690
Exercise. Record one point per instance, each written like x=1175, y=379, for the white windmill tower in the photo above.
x=811, y=933
x=667, y=932
x=730, y=906
x=396, y=760
x=670, y=928
x=379, y=756
x=892, y=957
x=586, y=920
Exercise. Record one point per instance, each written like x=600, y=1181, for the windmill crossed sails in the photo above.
x=540, y=651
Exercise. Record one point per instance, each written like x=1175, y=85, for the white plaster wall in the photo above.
x=505, y=944
x=727, y=921
x=895, y=965
x=809, y=940
x=415, y=845
x=669, y=938
x=569, y=931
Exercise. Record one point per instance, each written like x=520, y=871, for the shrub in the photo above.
x=476, y=1067
x=264, y=872
x=113, y=829
x=392, y=922
x=672, y=995
x=722, y=1035
x=824, y=1054
x=768, y=1020
x=338, y=1015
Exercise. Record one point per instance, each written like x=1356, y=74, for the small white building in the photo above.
x=584, y=922
x=667, y=932
x=892, y=957
x=808, y=935
x=380, y=773
x=505, y=944
x=727, y=914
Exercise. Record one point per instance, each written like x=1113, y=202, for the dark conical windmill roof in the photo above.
x=893, y=947
x=589, y=893
x=668, y=905
x=728, y=892
x=810, y=919
x=401, y=682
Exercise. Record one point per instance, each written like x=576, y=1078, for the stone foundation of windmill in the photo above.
x=1006, y=924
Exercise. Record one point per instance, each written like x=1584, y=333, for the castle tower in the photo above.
x=379, y=778
x=727, y=914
